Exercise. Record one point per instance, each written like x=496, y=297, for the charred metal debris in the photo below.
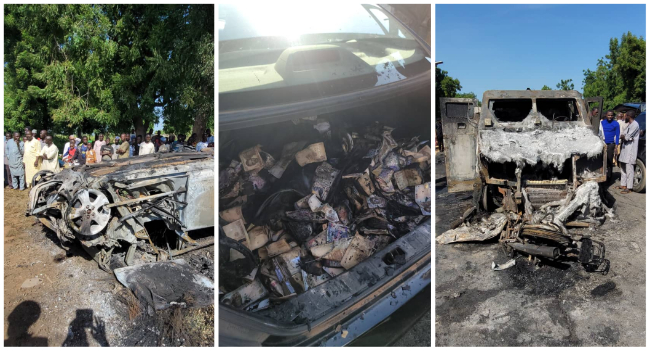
x=105, y=206
x=293, y=220
x=541, y=233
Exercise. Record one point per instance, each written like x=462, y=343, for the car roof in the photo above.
x=628, y=105
x=529, y=94
x=145, y=164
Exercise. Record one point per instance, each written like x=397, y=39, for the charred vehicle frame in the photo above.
x=105, y=206
x=533, y=150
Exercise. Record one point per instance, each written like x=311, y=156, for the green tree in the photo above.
x=546, y=87
x=565, y=84
x=469, y=95
x=108, y=67
x=446, y=86
x=620, y=76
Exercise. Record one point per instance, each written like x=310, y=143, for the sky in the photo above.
x=514, y=47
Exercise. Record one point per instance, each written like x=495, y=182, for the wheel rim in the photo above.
x=637, y=176
x=87, y=214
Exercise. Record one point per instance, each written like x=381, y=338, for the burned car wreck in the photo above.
x=533, y=161
x=106, y=206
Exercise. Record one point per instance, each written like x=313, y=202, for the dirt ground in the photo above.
x=54, y=298
x=547, y=306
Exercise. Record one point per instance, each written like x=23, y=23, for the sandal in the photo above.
x=626, y=191
x=620, y=187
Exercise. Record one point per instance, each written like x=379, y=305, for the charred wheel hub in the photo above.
x=87, y=214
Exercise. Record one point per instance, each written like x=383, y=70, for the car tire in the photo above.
x=639, y=185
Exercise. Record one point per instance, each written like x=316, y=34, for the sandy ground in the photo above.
x=56, y=298
x=547, y=306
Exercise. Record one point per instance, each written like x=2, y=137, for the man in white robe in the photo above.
x=629, y=150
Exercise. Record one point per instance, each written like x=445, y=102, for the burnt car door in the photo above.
x=591, y=102
x=459, y=130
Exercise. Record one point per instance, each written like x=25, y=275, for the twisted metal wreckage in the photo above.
x=105, y=207
x=288, y=227
x=535, y=175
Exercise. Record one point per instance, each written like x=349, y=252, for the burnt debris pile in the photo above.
x=543, y=232
x=314, y=209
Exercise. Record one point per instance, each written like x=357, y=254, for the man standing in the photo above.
x=620, y=118
x=123, y=150
x=32, y=158
x=50, y=154
x=629, y=152
x=135, y=147
x=147, y=147
x=98, y=147
x=611, y=132
x=7, y=171
x=115, y=145
x=15, y=150
x=158, y=141
x=71, y=139
x=42, y=138
x=106, y=152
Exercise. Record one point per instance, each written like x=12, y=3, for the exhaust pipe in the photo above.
x=537, y=250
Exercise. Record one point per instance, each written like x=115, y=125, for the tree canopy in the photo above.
x=446, y=86
x=619, y=76
x=565, y=84
x=546, y=87
x=109, y=67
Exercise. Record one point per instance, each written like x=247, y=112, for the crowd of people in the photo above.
x=27, y=154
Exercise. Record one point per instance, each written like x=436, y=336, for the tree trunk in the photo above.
x=199, y=125
x=138, y=124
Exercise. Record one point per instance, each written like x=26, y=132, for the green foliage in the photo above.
x=546, y=87
x=564, y=85
x=446, y=86
x=59, y=140
x=108, y=67
x=469, y=95
x=620, y=76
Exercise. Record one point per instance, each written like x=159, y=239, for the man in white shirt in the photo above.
x=115, y=145
x=50, y=155
x=147, y=147
x=98, y=147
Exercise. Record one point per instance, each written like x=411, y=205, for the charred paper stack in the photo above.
x=320, y=209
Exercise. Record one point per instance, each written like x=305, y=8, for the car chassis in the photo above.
x=105, y=206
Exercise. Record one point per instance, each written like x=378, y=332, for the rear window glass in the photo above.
x=271, y=55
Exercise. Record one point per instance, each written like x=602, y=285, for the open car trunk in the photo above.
x=313, y=207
